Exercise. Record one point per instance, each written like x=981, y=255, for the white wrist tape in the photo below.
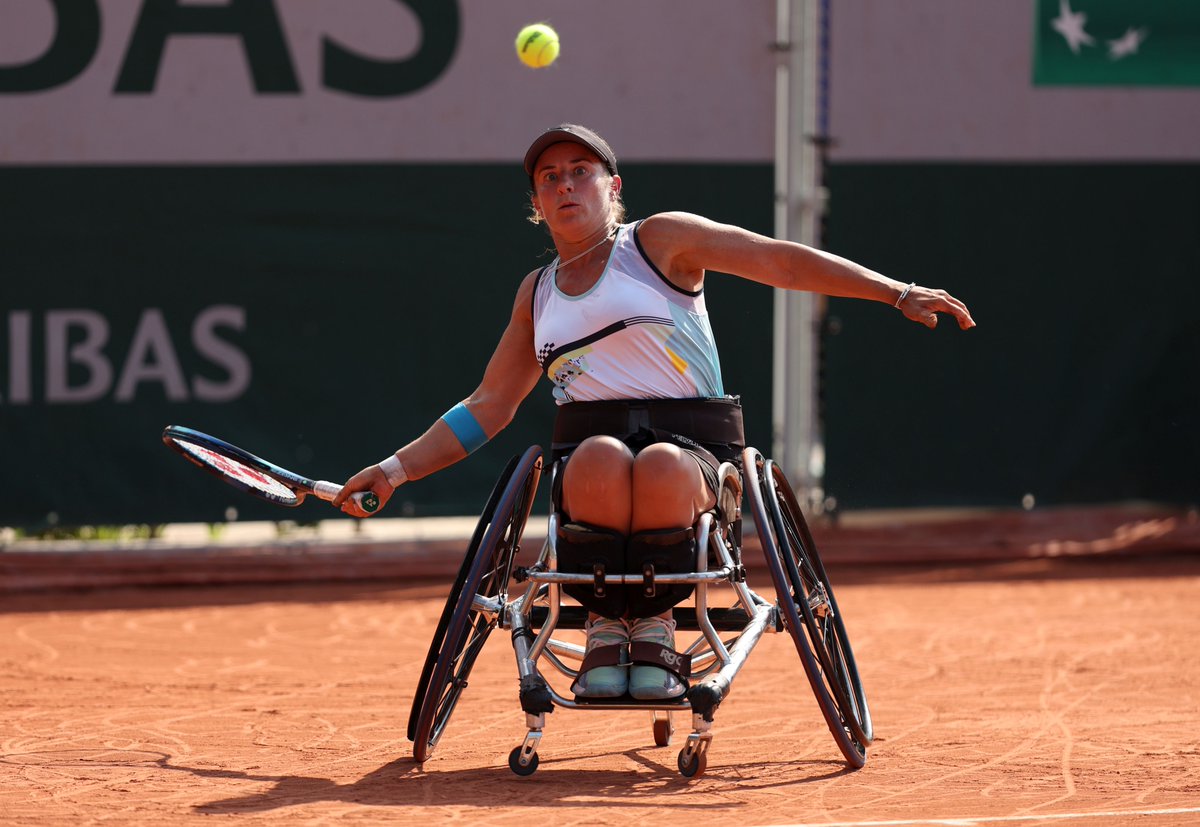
x=393, y=469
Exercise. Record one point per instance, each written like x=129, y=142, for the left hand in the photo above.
x=922, y=304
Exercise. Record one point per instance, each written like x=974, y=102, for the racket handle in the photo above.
x=368, y=501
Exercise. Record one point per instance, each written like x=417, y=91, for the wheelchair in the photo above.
x=492, y=591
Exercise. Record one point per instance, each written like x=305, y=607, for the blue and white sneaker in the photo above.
x=604, y=672
x=653, y=682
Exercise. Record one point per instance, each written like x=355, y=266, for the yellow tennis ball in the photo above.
x=537, y=45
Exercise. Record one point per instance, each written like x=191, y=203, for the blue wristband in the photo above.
x=465, y=427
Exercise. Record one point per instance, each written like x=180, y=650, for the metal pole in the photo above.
x=799, y=203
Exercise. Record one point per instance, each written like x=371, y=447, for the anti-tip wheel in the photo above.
x=514, y=762
x=662, y=732
x=690, y=769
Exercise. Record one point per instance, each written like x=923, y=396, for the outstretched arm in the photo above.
x=685, y=246
x=510, y=376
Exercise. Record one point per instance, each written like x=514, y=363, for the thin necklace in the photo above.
x=563, y=264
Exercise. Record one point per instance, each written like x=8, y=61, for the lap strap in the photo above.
x=713, y=422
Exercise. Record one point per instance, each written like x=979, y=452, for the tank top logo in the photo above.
x=566, y=369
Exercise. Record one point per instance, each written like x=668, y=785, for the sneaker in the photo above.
x=652, y=682
x=605, y=681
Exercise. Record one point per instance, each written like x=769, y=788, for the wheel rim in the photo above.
x=761, y=495
x=464, y=571
x=826, y=632
x=488, y=573
x=453, y=685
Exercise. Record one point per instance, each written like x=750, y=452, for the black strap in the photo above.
x=602, y=656
x=664, y=657
x=713, y=422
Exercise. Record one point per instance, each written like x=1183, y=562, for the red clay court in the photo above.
x=1053, y=683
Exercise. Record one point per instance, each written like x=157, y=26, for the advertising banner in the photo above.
x=1116, y=43
x=381, y=81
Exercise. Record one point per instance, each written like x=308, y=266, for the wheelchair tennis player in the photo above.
x=617, y=322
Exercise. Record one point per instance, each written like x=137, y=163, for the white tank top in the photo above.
x=633, y=335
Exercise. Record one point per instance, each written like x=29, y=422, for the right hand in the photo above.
x=370, y=478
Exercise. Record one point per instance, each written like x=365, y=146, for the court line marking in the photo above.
x=971, y=821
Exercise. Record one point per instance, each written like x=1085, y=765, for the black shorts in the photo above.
x=709, y=429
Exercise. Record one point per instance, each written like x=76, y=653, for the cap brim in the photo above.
x=560, y=135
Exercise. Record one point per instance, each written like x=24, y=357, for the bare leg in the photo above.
x=668, y=492
x=597, y=491
x=668, y=489
x=596, y=483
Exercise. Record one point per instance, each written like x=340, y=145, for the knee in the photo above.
x=598, y=470
x=668, y=488
x=663, y=465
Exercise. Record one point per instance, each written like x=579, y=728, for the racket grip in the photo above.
x=368, y=501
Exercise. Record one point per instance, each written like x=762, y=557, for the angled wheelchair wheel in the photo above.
x=810, y=609
x=464, y=627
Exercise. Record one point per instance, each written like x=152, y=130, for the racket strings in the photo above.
x=236, y=470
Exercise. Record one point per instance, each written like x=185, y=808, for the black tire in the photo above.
x=828, y=631
x=514, y=762
x=464, y=569
x=690, y=769
x=462, y=630
x=800, y=585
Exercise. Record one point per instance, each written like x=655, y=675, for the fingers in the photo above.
x=368, y=479
x=924, y=304
x=352, y=505
x=347, y=489
x=960, y=312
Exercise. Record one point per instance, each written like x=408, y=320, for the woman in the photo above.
x=620, y=315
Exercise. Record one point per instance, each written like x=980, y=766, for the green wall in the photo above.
x=1080, y=383
x=373, y=296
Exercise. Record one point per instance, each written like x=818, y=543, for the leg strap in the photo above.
x=664, y=657
x=602, y=656
x=584, y=549
x=651, y=553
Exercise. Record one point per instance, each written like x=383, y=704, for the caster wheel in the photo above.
x=514, y=762
x=690, y=769
x=662, y=732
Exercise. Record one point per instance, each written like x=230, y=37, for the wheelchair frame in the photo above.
x=805, y=607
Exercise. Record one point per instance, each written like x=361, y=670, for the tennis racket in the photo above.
x=252, y=474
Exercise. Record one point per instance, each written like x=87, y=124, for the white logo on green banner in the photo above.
x=1117, y=43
